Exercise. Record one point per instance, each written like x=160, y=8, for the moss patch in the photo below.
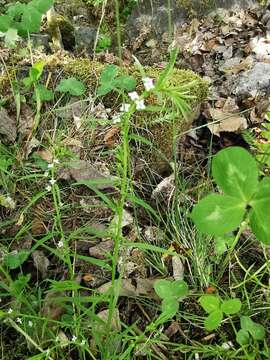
x=149, y=124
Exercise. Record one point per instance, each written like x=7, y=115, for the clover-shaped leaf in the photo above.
x=213, y=320
x=242, y=337
x=72, y=86
x=210, y=303
x=15, y=259
x=256, y=330
x=218, y=214
x=235, y=171
x=167, y=289
x=260, y=215
x=231, y=306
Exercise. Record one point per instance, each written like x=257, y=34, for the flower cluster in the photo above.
x=52, y=181
x=134, y=96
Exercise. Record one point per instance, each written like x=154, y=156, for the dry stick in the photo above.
x=103, y=10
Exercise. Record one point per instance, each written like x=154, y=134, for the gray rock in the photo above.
x=85, y=38
x=8, y=126
x=151, y=16
x=255, y=80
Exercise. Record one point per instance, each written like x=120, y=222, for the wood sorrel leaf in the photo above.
x=242, y=337
x=170, y=306
x=256, y=330
x=260, y=215
x=231, y=306
x=218, y=214
x=213, y=320
x=235, y=171
x=210, y=303
x=15, y=259
x=167, y=289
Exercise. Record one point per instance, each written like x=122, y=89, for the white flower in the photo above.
x=74, y=338
x=83, y=342
x=60, y=244
x=116, y=118
x=124, y=107
x=50, y=166
x=56, y=161
x=19, y=320
x=46, y=174
x=148, y=83
x=10, y=311
x=61, y=204
x=10, y=202
x=133, y=95
x=30, y=323
x=48, y=188
x=140, y=105
x=52, y=181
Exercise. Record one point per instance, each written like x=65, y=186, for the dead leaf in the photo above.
x=45, y=155
x=7, y=125
x=127, y=219
x=37, y=227
x=133, y=288
x=101, y=250
x=178, y=268
x=83, y=171
x=111, y=137
x=228, y=122
x=41, y=262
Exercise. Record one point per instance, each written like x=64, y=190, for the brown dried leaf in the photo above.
x=41, y=262
x=228, y=122
x=111, y=137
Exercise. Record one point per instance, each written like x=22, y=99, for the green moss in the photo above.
x=148, y=124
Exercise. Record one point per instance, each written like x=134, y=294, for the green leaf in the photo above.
x=72, y=86
x=242, y=337
x=260, y=215
x=218, y=214
x=16, y=10
x=108, y=74
x=15, y=259
x=38, y=67
x=170, y=306
x=257, y=331
x=42, y=5
x=31, y=19
x=43, y=93
x=231, y=306
x=5, y=23
x=127, y=83
x=167, y=289
x=213, y=320
x=11, y=36
x=220, y=245
x=235, y=171
x=104, y=89
x=210, y=303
